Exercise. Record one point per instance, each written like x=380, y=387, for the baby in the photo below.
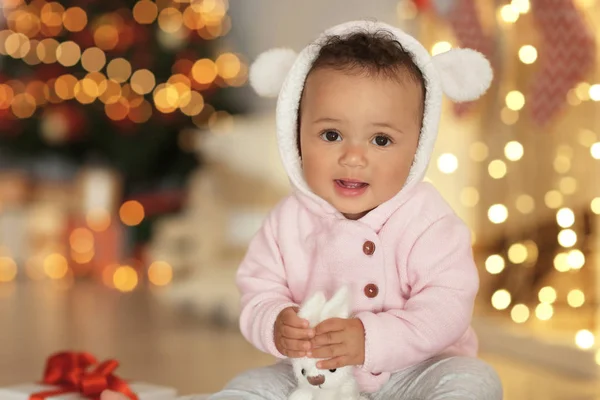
x=357, y=119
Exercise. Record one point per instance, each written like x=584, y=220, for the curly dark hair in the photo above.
x=373, y=53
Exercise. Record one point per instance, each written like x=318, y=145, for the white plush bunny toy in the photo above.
x=318, y=384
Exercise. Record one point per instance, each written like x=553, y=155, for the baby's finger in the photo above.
x=333, y=363
x=294, y=354
x=330, y=325
x=331, y=351
x=293, y=320
x=328, y=338
x=296, y=345
x=297, y=333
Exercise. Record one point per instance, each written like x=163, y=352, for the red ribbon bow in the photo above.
x=69, y=371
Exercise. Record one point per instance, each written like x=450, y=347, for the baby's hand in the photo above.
x=340, y=341
x=110, y=395
x=292, y=334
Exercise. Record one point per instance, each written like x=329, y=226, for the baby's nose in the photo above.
x=316, y=380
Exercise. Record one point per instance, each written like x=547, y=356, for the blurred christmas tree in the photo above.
x=118, y=83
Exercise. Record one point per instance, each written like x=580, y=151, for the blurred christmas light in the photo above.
x=228, y=66
x=568, y=185
x=440, y=47
x=125, y=278
x=561, y=263
x=8, y=269
x=595, y=150
x=106, y=37
x=497, y=169
x=478, y=151
x=81, y=240
x=553, y=199
x=501, y=299
x=572, y=98
x=6, y=96
x=141, y=113
x=522, y=6
x=567, y=238
x=595, y=92
x=98, y=219
x=562, y=164
x=515, y=100
x=93, y=59
x=513, y=151
x=509, y=13
x=525, y=204
x=55, y=266
x=119, y=70
x=17, y=45
x=584, y=339
x=23, y=105
x=583, y=91
x=192, y=20
x=494, y=264
x=68, y=53
x=75, y=19
x=517, y=253
x=204, y=71
x=47, y=50
x=160, y=273
x=143, y=81
x=195, y=104
x=447, y=163
x=131, y=213
x=565, y=217
x=586, y=138
x=498, y=213
x=544, y=311
x=112, y=93
x=595, y=205
x=170, y=20
x=166, y=98
x=519, y=313
x=532, y=251
x=469, y=196
x=575, y=259
x=528, y=54
x=145, y=12
x=118, y=110
x=576, y=298
x=547, y=295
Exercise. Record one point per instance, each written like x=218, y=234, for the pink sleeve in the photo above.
x=262, y=281
x=444, y=282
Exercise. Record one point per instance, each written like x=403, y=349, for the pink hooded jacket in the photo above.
x=408, y=262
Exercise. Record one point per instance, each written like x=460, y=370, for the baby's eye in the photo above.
x=330, y=136
x=382, y=141
x=333, y=370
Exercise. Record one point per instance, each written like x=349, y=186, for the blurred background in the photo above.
x=136, y=164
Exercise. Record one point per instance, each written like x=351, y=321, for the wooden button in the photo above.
x=368, y=247
x=371, y=290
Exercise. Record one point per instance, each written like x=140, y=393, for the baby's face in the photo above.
x=358, y=137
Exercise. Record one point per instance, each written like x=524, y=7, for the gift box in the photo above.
x=143, y=391
x=79, y=376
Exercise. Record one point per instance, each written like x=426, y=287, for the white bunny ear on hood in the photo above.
x=312, y=307
x=338, y=306
x=465, y=74
x=270, y=69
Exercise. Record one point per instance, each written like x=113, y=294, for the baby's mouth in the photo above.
x=351, y=184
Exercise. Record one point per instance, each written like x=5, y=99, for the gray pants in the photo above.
x=453, y=378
